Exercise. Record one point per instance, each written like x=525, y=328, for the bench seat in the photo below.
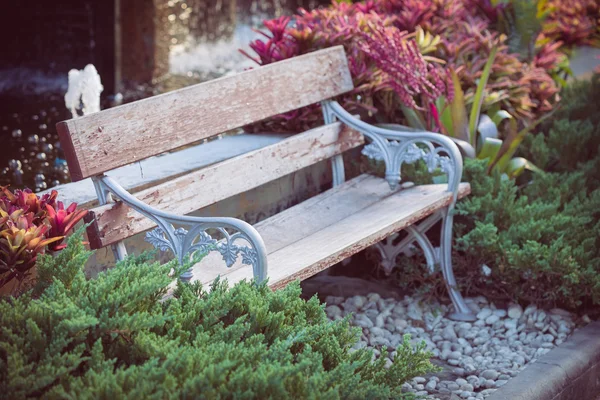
x=312, y=236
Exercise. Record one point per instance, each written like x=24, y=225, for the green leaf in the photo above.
x=518, y=165
x=460, y=124
x=466, y=150
x=513, y=141
x=489, y=149
x=413, y=117
x=486, y=129
x=441, y=103
x=478, y=100
x=500, y=116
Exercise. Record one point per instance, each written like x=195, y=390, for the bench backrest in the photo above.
x=99, y=142
x=118, y=136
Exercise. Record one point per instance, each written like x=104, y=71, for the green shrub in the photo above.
x=541, y=243
x=541, y=239
x=112, y=337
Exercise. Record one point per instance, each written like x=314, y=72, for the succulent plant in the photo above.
x=30, y=225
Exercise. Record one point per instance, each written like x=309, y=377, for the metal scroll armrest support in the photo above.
x=438, y=151
x=185, y=235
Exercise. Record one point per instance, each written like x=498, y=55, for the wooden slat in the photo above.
x=311, y=237
x=119, y=136
x=115, y=222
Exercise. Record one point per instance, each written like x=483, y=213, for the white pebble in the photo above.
x=483, y=314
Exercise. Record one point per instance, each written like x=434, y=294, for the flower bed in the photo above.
x=529, y=233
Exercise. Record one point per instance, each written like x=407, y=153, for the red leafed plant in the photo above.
x=387, y=41
x=405, y=69
x=575, y=22
x=30, y=225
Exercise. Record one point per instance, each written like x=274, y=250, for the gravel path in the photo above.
x=477, y=357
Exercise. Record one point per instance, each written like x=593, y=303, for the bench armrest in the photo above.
x=185, y=235
x=397, y=147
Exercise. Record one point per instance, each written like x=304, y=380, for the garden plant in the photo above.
x=491, y=74
x=113, y=337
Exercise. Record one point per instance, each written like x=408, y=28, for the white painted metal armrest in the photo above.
x=398, y=147
x=190, y=236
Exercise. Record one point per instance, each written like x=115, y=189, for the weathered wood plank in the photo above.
x=321, y=242
x=119, y=136
x=115, y=222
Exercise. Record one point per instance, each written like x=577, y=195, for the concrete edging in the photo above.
x=570, y=371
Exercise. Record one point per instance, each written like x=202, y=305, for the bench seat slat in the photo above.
x=118, y=136
x=312, y=236
x=115, y=222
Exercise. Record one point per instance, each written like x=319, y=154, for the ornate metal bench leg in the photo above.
x=462, y=311
x=389, y=251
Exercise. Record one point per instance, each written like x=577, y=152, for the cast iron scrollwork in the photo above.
x=191, y=236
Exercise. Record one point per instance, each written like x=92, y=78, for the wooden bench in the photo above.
x=296, y=243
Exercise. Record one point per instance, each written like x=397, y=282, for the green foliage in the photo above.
x=541, y=243
x=541, y=239
x=573, y=136
x=113, y=337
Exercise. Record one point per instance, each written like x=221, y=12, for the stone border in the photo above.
x=570, y=371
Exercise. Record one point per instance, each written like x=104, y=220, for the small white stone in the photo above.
x=541, y=316
x=333, y=311
x=449, y=333
x=414, y=311
x=485, y=270
x=484, y=313
x=500, y=313
x=490, y=374
x=363, y=321
x=419, y=379
x=586, y=319
x=431, y=385
x=530, y=310
x=510, y=324
x=515, y=311
x=359, y=301
x=467, y=386
x=400, y=324
x=492, y=319
x=500, y=383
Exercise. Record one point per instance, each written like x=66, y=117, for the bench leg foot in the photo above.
x=462, y=311
x=389, y=252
